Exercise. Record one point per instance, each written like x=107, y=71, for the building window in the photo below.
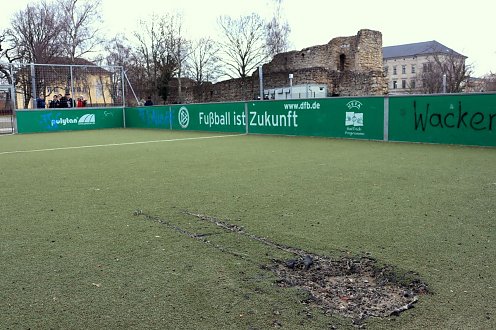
x=413, y=68
x=394, y=70
x=403, y=69
x=99, y=90
x=412, y=84
x=386, y=69
x=342, y=61
x=395, y=84
x=403, y=84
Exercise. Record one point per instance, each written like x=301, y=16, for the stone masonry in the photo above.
x=349, y=66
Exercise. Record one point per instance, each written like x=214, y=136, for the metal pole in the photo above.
x=386, y=118
x=123, y=87
x=260, y=74
x=132, y=90
x=12, y=82
x=33, y=87
x=247, y=128
x=72, y=88
x=291, y=85
x=13, y=107
x=444, y=83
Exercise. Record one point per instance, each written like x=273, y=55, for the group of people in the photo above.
x=66, y=101
x=61, y=101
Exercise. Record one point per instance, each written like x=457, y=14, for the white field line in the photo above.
x=118, y=144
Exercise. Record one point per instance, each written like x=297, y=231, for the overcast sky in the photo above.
x=465, y=26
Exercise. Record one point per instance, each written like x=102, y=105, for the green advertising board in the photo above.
x=149, y=117
x=215, y=117
x=468, y=119
x=356, y=118
x=34, y=121
x=360, y=118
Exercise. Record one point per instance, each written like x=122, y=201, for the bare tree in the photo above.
x=277, y=32
x=118, y=52
x=204, y=62
x=178, y=46
x=34, y=35
x=449, y=64
x=5, y=69
x=157, y=52
x=489, y=83
x=79, y=35
x=243, y=45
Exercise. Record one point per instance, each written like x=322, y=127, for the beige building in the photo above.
x=404, y=65
x=97, y=85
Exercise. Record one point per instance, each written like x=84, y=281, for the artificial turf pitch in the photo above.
x=75, y=255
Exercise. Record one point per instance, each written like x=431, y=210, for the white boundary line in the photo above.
x=118, y=144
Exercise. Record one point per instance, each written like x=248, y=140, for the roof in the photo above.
x=81, y=63
x=419, y=48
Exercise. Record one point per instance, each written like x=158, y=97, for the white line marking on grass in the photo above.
x=119, y=144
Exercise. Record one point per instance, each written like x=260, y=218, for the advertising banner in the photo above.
x=356, y=118
x=34, y=121
x=215, y=117
x=468, y=119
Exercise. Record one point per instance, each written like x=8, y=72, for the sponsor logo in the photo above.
x=183, y=117
x=354, y=105
x=354, y=119
x=87, y=119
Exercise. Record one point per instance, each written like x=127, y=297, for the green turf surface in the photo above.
x=74, y=255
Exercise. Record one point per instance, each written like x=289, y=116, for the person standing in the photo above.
x=149, y=101
x=40, y=103
x=54, y=103
x=63, y=102
x=70, y=101
x=81, y=102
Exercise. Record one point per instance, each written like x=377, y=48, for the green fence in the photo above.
x=149, y=117
x=34, y=121
x=358, y=118
x=468, y=119
x=361, y=118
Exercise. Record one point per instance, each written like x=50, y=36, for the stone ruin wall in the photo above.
x=349, y=66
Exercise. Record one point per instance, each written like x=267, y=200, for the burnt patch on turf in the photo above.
x=356, y=287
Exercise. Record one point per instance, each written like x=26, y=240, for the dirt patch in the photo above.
x=358, y=289
x=354, y=287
